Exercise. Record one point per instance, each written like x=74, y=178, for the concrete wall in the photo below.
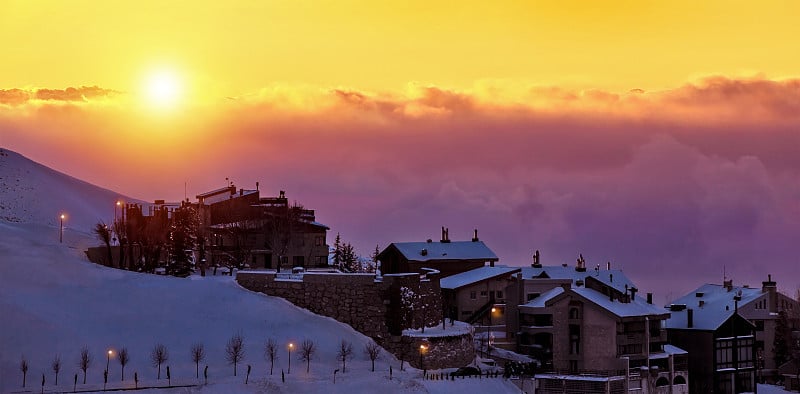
x=372, y=307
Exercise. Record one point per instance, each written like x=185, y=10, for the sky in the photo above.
x=660, y=136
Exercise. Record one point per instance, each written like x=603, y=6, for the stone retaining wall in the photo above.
x=375, y=307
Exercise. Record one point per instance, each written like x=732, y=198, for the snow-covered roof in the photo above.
x=541, y=300
x=455, y=250
x=614, y=278
x=475, y=276
x=637, y=306
x=717, y=306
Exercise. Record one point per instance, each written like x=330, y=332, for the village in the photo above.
x=571, y=327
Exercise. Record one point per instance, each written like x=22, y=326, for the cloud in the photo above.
x=670, y=185
x=17, y=97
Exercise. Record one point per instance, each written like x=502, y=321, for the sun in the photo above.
x=163, y=89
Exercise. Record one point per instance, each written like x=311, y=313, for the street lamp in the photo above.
x=108, y=358
x=422, y=349
x=61, y=231
x=488, y=330
x=289, y=370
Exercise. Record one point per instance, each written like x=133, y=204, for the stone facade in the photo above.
x=377, y=307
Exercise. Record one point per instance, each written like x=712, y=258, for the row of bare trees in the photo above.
x=234, y=355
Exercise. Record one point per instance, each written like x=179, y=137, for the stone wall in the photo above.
x=375, y=307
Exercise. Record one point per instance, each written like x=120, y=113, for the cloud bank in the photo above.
x=673, y=186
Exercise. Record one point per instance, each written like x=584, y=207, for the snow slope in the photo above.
x=33, y=193
x=53, y=301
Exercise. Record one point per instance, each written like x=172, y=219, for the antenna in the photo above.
x=724, y=274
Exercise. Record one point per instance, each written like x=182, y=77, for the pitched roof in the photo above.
x=637, y=306
x=541, y=300
x=455, y=250
x=475, y=276
x=717, y=307
x=614, y=278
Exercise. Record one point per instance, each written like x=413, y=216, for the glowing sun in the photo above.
x=163, y=89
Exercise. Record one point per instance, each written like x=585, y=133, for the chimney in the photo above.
x=536, y=262
x=580, y=265
x=689, y=318
x=608, y=266
x=241, y=192
x=728, y=284
x=771, y=288
x=649, y=298
x=256, y=186
x=610, y=277
x=633, y=293
x=475, y=236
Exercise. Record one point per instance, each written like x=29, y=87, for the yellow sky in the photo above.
x=234, y=47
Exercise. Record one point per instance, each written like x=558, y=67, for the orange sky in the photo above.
x=234, y=48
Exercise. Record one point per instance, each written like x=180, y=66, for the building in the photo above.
x=447, y=257
x=241, y=227
x=591, y=331
x=722, y=341
x=478, y=296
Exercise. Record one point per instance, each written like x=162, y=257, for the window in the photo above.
x=298, y=261
x=319, y=241
x=573, y=366
x=322, y=261
x=491, y=294
x=574, y=339
x=472, y=295
x=483, y=293
x=574, y=313
x=499, y=294
x=531, y=296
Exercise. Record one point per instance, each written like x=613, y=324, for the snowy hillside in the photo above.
x=33, y=193
x=54, y=302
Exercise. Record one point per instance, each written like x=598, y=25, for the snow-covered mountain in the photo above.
x=33, y=193
x=54, y=302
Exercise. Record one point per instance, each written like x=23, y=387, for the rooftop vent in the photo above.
x=423, y=252
x=698, y=294
x=475, y=236
x=445, y=235
x=536, y=262
x=579, y=282
x=677, y=307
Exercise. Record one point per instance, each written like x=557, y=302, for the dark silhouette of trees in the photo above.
x=345, y=350
x=103, y=233
x=56, y=366
x=198, y=354
x=282, y=224
x=123, y=358
x=84, y=361
x=234, y=351
x=373, y=351
x=183, y=231
x=307, y=350
x=122, y=237
x=158, y=356
x=271, y=353
x=23, y=366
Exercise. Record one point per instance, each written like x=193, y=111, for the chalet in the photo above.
x=447, y=257
x=478, y=296
x=722, y=341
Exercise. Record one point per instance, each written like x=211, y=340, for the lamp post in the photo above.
x=489, y=330
x=108, y=358
x=61, y=231
x=289, y=369
x=422, y=349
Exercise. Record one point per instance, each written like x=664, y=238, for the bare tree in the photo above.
x=56, y=365
x=271, y=353
x=159, y=356
x=123, y=358
x=234, y=351
x=23, y=366
x=345, y=350
x=373, y=351
x=307, y=350
x=119, y=228
x=104, y=234
x=198, y=354
x=84, y=361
